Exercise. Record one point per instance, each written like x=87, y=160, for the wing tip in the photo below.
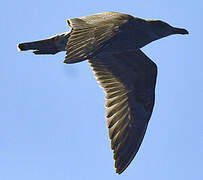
x=118, y=171
x=120, y=168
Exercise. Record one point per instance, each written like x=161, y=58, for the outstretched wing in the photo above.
x=90, y=33
x=129, y=82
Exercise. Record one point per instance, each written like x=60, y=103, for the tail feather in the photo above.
x=47, y=46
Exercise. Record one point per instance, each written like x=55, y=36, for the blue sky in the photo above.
x=52, y=114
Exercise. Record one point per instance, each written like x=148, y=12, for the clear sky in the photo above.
x=52, y=114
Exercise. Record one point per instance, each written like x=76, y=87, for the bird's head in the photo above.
x=161, y=29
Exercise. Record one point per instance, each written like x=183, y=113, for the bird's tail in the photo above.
x=51, y=45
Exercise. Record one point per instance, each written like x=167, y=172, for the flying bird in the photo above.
x=111, y=42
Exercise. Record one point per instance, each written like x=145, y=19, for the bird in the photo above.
x=112, y=42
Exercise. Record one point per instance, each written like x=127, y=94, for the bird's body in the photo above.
x=111, y=42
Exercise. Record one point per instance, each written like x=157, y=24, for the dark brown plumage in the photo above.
x=130, y=88
x=111, y=42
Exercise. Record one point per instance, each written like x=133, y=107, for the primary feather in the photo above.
x=111, y=42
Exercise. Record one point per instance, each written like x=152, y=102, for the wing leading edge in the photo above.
x=129, y=82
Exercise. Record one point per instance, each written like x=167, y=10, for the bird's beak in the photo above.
x=179, y=31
